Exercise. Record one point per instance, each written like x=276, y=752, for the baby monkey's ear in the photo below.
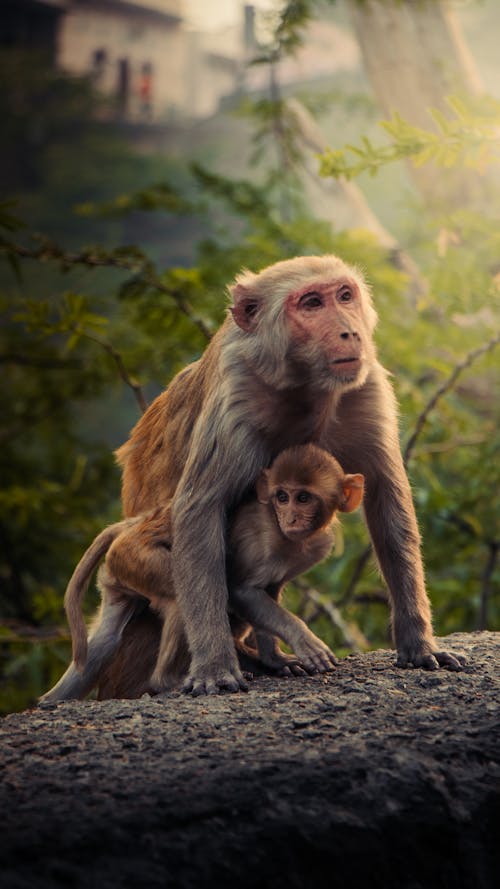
x=353, y=487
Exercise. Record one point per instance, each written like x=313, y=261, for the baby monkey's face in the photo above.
x=298, y=510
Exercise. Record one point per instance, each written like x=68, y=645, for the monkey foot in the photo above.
x=214, y=684
x=314, y=656
x=284, y=664
x=321, y=662
x=431, y=661
x=292, y=669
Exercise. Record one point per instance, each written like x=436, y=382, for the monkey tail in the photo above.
x=78, y=586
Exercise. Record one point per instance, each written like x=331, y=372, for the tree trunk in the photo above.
x=342, y=203
x=415, y=56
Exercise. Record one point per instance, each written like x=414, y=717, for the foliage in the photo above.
x=469, y=138
x=91, y=333
x=287, y=33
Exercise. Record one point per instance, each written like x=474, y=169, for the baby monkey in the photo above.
x=278, y=533
x=281, y=533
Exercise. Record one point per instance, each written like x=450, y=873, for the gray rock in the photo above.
x=371, y=776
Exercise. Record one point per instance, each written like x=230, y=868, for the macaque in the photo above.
x=280, y=534
x=294, y=362
x=275, y=535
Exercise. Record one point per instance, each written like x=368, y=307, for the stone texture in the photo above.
x=372, y=776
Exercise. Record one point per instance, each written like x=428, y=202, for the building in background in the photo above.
x=134, y=52
x=219, y=71
x=153, y=68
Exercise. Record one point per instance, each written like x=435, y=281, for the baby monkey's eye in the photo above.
x=282, y=496
x=304, y=497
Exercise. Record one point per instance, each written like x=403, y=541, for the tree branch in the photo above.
x=408, y=452
x=92, y=259
x=356, y=574
x=352, y=636
x=494, y=549
x=41, y=363
x=122, y=370
x=442, y=390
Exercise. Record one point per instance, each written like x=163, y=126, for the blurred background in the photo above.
x=149, y=150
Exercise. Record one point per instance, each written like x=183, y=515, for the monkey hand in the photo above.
x=428, y=657
x=213, y=679
x=314, y=656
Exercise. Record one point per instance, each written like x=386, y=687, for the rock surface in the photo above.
x=373, y=776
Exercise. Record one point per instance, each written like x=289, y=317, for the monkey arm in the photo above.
x=198, y=568
x=391, y=519
x=390, y=516
x=255, y=605
x=223, y=466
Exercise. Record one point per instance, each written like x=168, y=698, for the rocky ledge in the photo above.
x=373, y=776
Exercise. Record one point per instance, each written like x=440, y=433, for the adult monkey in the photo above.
x=293, y=362
x=282, y=531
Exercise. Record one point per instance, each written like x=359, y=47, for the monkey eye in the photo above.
x=344, y=295
x=311, y=300
x=282, y=496
x=303, y=497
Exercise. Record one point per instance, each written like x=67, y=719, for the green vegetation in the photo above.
x=89, y=334
x=468, y=138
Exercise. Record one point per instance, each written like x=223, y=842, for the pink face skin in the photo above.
x=331, y=315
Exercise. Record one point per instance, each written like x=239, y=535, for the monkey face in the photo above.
x=310, y=321
x=298, y=511
x=330, y=331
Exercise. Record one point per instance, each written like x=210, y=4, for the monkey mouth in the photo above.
x=346, y=368
x=297, y=533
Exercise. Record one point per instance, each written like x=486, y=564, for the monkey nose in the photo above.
x=346, y=334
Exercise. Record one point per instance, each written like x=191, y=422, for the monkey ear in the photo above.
x=353, y=488
x=245, y=308
x=262, y=487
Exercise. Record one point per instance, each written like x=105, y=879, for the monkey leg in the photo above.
x=268, y=650
x=115, y=612
x=173, y=657
x=256, y=606
x=140, y=558
x=128, y=674
x=393, y=527
x=259, y=652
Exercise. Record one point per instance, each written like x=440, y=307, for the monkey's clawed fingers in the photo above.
x=214, y=684
x=316, y=657
x=451, y=661
x=433, y=661
x=292, y=669
x=286, y=665
x=321, y=662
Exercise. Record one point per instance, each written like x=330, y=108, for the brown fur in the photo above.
x=269, y=543
x=294, y=362
x=120, y=678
